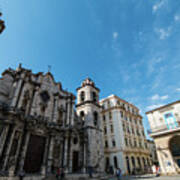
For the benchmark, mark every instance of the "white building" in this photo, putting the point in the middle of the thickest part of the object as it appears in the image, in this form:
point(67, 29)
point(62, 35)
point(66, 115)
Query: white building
point(124, 139)
point(165, 130)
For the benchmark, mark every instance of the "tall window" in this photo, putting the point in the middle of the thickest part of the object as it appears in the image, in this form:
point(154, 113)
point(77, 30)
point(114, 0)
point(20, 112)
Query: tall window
point(121, 114)
point(114, 143)
point(115, 162)
point(110, 115)
point(105, 130)
point(94, 96)
point(95, 118)
point(126, 141)
point(112, 129)
point(60, 118)
point(106, 144)
point(82, 96)
point(104, 118)
point(82, 115)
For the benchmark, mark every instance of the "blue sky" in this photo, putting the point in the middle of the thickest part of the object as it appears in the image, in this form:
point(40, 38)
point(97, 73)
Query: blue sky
point(129, 48)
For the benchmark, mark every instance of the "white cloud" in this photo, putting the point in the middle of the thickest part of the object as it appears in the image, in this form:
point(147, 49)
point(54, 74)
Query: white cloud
point(177, 18)
point(115, 35)
point(178, 89)
point(155, 97)
point(163, 34)
point(152, 64)
point(154, 106)
point(164, 97)
point(158, 5)
point(158, 97)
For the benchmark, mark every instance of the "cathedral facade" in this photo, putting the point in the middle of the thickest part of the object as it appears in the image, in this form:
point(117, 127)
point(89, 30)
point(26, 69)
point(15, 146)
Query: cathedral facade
point(42, 129)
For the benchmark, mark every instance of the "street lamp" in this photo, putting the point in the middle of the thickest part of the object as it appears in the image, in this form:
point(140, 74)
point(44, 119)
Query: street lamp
point(2, 25)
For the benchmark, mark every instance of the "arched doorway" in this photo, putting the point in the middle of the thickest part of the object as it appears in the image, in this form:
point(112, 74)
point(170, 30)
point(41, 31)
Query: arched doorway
point(128, 165)
point(174, 146)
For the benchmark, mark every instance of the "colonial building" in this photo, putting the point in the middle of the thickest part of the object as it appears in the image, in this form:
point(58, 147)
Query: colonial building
point(124, 139)
point(40, 129)
point(153, 153)
point(165, 130)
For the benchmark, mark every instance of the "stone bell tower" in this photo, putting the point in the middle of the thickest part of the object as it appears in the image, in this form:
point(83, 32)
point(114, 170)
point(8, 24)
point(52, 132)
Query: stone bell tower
point(88, 109)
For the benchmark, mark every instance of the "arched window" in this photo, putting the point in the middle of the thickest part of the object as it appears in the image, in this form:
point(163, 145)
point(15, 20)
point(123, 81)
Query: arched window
point(95, 118)
point(139, 162)
point(94, 97)
point(133, 161)
point(115, 162)
point(107, 163)
point(82, 96)
point(82, 115)
point(60, 118)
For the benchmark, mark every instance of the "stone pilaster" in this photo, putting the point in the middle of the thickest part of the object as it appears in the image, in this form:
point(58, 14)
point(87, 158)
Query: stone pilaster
point(3, 138)
point(50, 155)
point(70, 154)
point(24, 150)
point(43, 168)
point(68, 113)
point(65, 152)
point(17, 92)
point(8, 148)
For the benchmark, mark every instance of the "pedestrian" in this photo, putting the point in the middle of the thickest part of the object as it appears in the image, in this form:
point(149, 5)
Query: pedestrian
point(21, 174)
point(62, 174)
point(157, 171)
point(58, 174)
point(118, 173)
point(90, 172)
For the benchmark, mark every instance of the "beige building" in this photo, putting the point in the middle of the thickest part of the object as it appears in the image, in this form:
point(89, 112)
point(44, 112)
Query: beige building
point(124, 139)
point(165, 130)
point(153, 153)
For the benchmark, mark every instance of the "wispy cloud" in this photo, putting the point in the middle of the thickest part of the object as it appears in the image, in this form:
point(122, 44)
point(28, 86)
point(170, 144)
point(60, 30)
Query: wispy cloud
point(154, 106)
point(152, 63)
point(163, 33)
point(178, 89)
point(115, 35)
point(158, 97)
point(177, 18)
point(158, 5)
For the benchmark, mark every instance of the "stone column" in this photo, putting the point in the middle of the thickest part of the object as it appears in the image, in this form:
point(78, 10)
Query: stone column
point(15, 98)
point(70, 154)
point(72, 114)
point(8, 148)
point(43, 168)
point(55, 110)
point(24, 150)
point(50, 155)
point(65, 151)
point(61, 153)
point(68, 113)
point(3, 138)
point(85, 159)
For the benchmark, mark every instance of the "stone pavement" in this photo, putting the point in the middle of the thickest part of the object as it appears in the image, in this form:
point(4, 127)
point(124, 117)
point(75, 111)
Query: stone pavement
point(147, 177)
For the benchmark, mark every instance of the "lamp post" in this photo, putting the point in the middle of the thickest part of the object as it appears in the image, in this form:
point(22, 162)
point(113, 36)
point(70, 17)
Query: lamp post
point(2, 25)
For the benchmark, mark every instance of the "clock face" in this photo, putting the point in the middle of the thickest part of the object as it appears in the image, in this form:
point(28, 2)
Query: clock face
point(45, 96)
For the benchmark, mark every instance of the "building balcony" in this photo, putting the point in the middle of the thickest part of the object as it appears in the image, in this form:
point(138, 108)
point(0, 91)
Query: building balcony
point(163, 129)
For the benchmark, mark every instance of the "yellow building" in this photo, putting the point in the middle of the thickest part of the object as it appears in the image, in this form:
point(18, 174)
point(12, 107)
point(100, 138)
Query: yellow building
point(165, 130)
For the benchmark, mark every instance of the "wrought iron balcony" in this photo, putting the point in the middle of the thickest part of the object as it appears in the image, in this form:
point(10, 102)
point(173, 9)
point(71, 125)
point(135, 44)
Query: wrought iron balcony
point(165, 128)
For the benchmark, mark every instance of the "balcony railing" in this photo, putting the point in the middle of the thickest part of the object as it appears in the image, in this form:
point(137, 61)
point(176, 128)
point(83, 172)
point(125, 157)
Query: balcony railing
point(165, 127)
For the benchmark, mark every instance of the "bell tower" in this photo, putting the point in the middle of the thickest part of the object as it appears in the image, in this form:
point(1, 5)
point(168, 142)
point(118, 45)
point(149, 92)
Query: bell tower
point(88, 109)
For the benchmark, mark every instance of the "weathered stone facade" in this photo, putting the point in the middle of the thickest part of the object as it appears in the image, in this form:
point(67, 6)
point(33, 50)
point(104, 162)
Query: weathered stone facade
point(40, 129)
